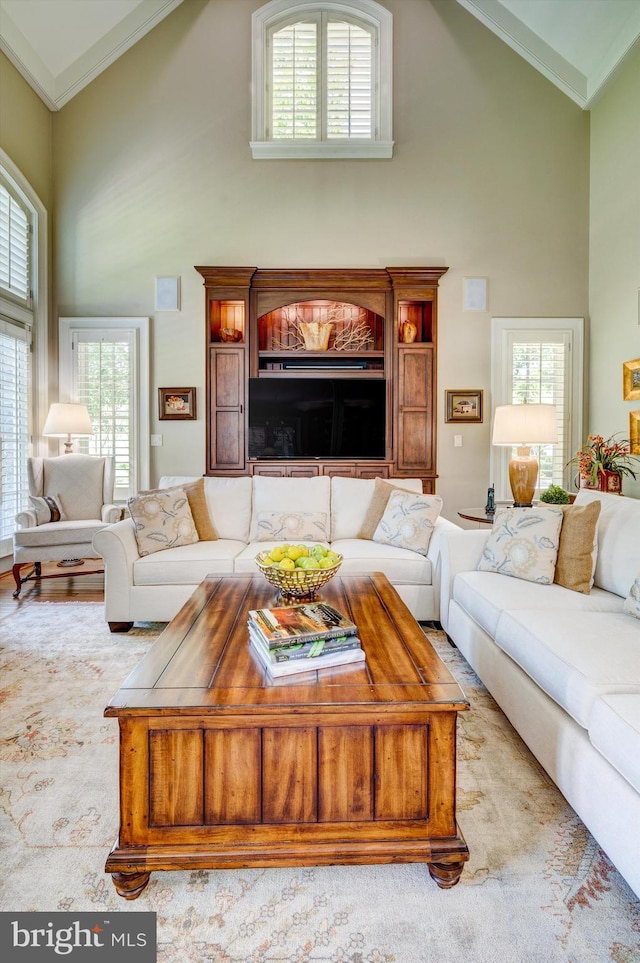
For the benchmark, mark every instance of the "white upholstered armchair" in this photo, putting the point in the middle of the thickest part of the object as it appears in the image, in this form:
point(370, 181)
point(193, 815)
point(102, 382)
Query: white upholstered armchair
point(71, 498)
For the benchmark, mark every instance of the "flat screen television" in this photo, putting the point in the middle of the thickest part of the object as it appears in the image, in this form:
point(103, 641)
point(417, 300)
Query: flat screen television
point(317, 418)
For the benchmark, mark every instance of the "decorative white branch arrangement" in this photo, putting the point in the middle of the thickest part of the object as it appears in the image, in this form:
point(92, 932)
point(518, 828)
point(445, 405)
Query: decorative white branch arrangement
point(339, 329)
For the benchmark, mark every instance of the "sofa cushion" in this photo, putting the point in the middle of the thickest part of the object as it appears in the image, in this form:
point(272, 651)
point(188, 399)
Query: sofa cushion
point(485, 595)
point(578, 548)
point(162, 520)
point(228, 501)
point(351, 499)
point(187, 564)
point(523, 543)
point(570, 655)
point(293, 526)
point(408, 521)
point(289, 495)
point(618, 538)
point(398, 564)
point(58, 533)
point(632, 601)
point(614, 730)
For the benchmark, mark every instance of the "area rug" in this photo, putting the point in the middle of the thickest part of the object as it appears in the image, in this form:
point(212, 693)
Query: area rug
point(537, 888)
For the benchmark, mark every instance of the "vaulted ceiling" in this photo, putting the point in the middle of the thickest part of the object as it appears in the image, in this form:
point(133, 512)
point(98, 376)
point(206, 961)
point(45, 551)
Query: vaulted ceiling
point(60, 46)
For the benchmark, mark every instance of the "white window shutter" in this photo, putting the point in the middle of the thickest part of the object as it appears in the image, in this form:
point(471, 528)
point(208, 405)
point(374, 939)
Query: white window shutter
point(15, 247)
point(14, 426)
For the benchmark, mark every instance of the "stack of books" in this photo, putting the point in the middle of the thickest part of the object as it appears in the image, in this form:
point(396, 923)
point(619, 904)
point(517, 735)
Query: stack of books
point(312, 635)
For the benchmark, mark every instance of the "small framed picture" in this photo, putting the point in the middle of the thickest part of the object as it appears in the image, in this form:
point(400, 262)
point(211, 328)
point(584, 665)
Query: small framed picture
point(463, 406)
point(634, 432)
point(177, 404)
point(631, 380)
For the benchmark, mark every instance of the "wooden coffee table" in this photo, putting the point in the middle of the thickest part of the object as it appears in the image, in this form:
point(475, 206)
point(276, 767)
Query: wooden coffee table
point(221, 767)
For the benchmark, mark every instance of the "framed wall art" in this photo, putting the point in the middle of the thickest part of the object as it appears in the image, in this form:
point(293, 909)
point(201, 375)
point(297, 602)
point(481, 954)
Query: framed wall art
point(463, 406)
point(634, 432)
point(177, 404)
point(631, 380)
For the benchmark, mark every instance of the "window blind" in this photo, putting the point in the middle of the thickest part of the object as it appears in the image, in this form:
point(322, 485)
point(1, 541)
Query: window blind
point(14, 426)
point(104, 380)
point(349, 81)
point(15, 245)
point(540, 374)
point(294, 70)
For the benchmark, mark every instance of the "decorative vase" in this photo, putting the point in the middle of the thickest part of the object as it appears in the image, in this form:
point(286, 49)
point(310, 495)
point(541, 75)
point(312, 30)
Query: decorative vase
point(608, 481)
point(316, 334)
point(408, 332)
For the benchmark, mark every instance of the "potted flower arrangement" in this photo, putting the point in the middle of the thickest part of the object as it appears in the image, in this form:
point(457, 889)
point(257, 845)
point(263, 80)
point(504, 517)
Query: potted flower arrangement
point(602, 463)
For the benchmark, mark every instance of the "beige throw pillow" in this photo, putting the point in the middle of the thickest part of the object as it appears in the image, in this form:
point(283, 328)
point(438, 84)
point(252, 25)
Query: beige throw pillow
point(162, 520)
point(381, 492)
point(408, 521)
point(576, 560)
point(632, 601)
point(292, 526)
point(198, 504)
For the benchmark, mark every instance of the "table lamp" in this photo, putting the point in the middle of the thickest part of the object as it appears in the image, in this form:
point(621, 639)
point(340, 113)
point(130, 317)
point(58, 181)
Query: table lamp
point(65, 420)
point(522, 426)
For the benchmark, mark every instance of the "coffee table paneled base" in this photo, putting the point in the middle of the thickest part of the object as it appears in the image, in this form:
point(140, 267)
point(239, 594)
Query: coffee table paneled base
point(353, 765)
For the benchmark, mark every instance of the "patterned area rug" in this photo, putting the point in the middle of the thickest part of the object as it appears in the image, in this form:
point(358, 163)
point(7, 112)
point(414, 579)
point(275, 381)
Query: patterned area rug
point(537, 888)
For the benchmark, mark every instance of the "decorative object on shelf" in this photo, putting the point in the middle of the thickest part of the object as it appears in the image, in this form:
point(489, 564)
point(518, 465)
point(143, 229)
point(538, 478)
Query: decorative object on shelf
point(522, 426)
point(408, 332)
point(67, 420)
point(177, 404)
point(634, 432)
point(463, 406)
point(631, 380)
point(230, 334)
point(602, 463)
point(490, 507)
point(342, 327)
point(555, 495)
point(297, 583)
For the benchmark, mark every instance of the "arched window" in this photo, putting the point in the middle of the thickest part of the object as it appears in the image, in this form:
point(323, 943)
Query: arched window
point(322, 80)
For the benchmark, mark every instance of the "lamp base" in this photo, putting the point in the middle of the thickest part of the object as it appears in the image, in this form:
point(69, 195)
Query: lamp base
point(523, 474)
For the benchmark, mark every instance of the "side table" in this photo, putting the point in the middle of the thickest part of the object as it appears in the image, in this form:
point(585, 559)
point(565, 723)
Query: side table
point(476, 515)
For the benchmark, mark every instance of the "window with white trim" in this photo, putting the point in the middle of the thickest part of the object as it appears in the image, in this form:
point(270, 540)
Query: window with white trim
point(105, 362)
point(539, 361)
point(322, 77)
point(18, 219)
point(15, 342)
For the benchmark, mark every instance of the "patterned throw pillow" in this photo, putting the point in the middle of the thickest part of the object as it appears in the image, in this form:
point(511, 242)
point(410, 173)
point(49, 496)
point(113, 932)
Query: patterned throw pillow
point(292, 526)
point(197, 503)
point(47, 509)
point(632, 601)
point(524, 543)
point(162, 520)
point(408, 521)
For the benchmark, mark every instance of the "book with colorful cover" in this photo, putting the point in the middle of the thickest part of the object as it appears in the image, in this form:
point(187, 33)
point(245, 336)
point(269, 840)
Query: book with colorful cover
point(301, 623)
point(303, 650)
point(293, 666)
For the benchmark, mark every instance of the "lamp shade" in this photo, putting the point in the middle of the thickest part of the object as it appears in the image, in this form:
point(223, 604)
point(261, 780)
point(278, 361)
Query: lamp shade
point(65, 420)
point(525, 425)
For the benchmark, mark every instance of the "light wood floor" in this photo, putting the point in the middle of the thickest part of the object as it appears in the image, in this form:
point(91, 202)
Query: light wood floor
point(71, 588)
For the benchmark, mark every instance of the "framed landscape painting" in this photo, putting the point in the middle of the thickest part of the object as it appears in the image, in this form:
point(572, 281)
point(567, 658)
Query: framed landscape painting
point(631, 380)
point(463, 406)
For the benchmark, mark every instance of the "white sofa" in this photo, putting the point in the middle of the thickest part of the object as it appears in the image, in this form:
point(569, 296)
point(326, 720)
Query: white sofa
point(154, 587)
point(565, 669)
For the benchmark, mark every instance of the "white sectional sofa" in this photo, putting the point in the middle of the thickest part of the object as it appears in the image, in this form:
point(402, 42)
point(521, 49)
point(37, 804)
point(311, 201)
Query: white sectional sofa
point(565, 669)
point(155, 586)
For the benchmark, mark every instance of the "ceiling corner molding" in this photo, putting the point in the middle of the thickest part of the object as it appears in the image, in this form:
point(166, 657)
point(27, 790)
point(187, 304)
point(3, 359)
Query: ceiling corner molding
point(110, 47)
point(611, 63)
point(57, 91)
point(530, 47)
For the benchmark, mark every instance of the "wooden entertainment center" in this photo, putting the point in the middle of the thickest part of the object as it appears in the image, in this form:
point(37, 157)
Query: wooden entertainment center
point(320, 323)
